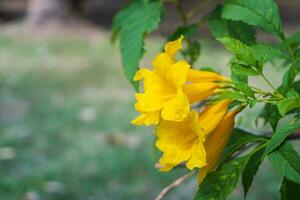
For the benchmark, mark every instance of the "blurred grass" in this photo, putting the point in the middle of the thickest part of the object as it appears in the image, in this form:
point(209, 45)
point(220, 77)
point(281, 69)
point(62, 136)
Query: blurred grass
point(65, 108)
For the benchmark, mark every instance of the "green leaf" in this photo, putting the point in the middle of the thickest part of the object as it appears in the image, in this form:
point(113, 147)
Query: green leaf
point(134, 22)
point(241, 51)
point(232, 95)
point(237, 140)
point(261, 13)
point(279, 136)
point(267, 52)
point(289, 77)
point(193, 51)
point(244, 88)
point(288, 104)
point(270, 114)
point(243, 70)
point(186, 31)
point(219, 184)
point(287, 162)
point(227, 28)
point(251, 169)
point(289, 190)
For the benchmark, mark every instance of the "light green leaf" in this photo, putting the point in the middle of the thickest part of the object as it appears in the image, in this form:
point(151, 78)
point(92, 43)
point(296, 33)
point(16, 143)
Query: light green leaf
point(232, 95)
point(261, 13)
point(251, 169)
point(287, 162)
point(241, 51)
point(289, 190)
point(219, 184)
point(134, 22)
point(227, 28)
point(279, 136)
point(288, 104)
point(244, 88)
point(237, 140)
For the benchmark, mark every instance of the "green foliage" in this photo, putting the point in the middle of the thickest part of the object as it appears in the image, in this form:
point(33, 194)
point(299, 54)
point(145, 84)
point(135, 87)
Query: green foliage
point(261, 13)
point(242, 52)
point(219, 184)
point(280, 135)
point(234, 24)
point(251, 169)
point(286, 161)
point(227, 28)
point(238, 139)
point(289, 190)
point(134, 22)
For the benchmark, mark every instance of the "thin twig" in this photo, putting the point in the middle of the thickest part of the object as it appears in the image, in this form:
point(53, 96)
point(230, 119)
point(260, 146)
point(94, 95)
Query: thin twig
point(174, 184)
point(294, 136)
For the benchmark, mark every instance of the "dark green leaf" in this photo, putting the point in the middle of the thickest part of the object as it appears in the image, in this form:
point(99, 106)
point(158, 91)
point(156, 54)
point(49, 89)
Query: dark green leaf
point(134, 22)
point(238, 139)
point(289, 78)
point(219, 184)
point(267, 52)
point(227, 28)
point(192, 52)
point(279, 136)
point(251, 169)
point(186, 31)
point(261, 13)
point(286, 161)
point(242, 52)
point(289, 190)
point(270, 114)
point(243, 70)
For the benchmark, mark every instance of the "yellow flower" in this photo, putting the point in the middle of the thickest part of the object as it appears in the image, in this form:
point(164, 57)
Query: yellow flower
point(163, 88)
point(184, 141)
point(216, 142)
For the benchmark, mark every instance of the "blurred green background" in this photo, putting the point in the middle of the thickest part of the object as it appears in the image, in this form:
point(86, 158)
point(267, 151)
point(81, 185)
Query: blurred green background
point(65, 111)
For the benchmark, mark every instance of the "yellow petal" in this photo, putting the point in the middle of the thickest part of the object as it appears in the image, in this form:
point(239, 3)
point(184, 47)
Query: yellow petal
point(141, 74)
point(196, 76)
point(217, 140)
point(198, 156)
point(211, 116)
point(147, 119)
point(172, 47)
point(178, 72)
point(177, 108)
point(161, 63)
point(147, 102)
point(166, 167)
point(199, 91)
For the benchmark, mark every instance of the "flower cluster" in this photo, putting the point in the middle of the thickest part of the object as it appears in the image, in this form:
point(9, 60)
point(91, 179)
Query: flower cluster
point(195, 137)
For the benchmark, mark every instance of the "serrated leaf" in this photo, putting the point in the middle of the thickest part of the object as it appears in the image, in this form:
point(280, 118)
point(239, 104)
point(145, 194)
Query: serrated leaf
point(219, 184)
point(261, 13)
point(267, 52)
point(241, 51)
point(251, 169)
point(244, 88)
point(243, 70)
point(286, 161)
point(270, 114)
point(227, 28)
point(288, 104)
point(237, 140)
point(134, 22)
point(289, 190)
point(279, 136)
point(289, 77)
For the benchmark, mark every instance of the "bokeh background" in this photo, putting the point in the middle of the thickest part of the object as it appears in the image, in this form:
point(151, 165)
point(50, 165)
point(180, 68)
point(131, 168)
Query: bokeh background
point(65, 106)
